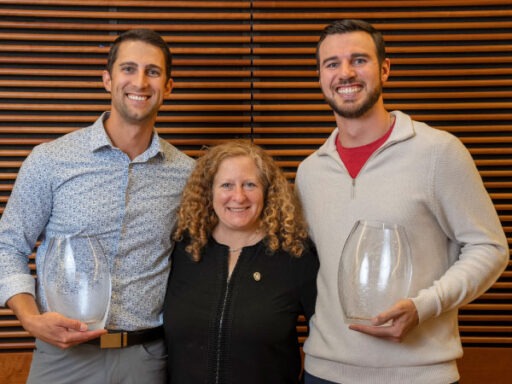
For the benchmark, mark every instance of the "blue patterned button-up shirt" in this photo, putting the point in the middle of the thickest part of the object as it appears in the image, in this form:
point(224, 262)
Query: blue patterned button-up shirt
point(81, 184)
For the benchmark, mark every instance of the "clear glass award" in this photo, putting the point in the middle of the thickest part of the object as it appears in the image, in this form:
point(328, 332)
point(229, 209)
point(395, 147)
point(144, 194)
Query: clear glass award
point(76, 279)
point(375, 270)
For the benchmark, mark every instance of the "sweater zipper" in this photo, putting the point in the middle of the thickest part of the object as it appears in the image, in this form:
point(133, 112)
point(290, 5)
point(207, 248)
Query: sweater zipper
point(219, 336)
point(220, 332)
point(353, 190)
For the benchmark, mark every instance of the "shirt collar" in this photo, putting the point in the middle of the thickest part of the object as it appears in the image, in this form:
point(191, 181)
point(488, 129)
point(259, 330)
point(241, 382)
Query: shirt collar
point(99, 139)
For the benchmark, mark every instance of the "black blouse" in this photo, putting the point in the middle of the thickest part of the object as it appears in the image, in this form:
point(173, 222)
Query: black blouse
point(242, 330)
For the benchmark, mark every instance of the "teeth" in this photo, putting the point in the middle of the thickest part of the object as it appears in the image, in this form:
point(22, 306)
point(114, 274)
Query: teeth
point(137, 98)
point(347, 91)
point(237, 209)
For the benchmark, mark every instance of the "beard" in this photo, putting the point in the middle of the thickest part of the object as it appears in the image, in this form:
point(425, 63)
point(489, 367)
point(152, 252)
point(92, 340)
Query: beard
point(350, 113)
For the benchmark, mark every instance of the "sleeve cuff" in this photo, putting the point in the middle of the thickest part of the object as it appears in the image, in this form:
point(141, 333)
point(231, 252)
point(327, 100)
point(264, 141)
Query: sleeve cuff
point(427, 305)
point(14, 285)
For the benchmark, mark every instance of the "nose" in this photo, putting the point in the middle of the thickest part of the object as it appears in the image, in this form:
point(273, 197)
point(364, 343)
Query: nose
point(140, 79)
point(346, 70)
point(239, 193)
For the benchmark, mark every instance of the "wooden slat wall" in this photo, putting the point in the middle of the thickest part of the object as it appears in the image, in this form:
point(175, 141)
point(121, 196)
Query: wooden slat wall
point(451, 66)
point(52, 54)
point(247, 69)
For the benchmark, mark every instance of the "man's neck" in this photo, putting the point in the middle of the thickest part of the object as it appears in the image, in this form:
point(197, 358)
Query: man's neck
point(132, 139)
point(363, 130)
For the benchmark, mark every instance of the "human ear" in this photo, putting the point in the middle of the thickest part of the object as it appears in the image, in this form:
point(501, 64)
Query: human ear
point(107, 81)
point(385, 69)
point(168, 87)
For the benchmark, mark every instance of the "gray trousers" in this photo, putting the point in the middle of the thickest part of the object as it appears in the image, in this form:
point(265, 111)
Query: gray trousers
point(88, 364)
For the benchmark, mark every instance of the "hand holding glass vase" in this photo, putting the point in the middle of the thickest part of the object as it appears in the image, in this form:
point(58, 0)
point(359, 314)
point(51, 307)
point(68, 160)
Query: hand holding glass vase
point(76, 279)
point(375, 270)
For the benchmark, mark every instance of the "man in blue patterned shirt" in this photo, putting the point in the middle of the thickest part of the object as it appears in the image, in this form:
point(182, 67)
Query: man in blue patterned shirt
point(119, 182)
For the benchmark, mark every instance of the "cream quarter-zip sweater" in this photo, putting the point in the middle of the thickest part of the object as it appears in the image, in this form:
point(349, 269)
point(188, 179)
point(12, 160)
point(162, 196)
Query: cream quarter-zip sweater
point(425, 180)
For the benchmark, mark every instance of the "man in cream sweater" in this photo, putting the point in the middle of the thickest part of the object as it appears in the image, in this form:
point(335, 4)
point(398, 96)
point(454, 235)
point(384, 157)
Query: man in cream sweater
point(381, 165)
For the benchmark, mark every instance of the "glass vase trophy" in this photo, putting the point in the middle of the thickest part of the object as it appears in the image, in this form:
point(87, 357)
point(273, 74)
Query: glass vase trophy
point(76, 279)
point(375, 270)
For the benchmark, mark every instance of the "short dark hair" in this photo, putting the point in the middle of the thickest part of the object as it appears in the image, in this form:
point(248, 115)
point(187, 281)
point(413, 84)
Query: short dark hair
point(147, 36)
point(353, 25)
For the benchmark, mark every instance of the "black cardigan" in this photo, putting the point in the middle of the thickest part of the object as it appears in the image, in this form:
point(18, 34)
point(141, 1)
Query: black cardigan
point(241, 332)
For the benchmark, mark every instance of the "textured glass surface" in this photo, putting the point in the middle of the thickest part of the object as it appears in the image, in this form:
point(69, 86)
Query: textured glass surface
point(375, 270)
point(76, 279)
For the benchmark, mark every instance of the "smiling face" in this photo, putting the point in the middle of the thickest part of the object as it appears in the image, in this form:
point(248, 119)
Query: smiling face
point(137, 83)
point(238, 195)
point(351, 77)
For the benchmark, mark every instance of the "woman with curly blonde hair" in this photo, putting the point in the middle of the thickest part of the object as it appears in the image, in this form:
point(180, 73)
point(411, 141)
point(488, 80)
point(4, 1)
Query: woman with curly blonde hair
point(242, 271)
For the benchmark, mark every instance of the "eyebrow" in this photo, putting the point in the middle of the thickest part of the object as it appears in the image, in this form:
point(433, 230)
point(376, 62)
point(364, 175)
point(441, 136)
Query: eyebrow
point(127, 63)
point(352, 56)
point(150, 66)
point(329, 59)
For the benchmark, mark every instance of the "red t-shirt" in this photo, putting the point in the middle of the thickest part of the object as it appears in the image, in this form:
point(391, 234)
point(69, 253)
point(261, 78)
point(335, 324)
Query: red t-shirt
point(355, 158)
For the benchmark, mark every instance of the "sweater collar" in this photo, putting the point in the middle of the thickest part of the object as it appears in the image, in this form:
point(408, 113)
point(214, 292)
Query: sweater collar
point(403, 130)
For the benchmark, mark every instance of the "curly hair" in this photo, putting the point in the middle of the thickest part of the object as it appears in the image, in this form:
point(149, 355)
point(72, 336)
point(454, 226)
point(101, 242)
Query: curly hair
point(282, 220)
